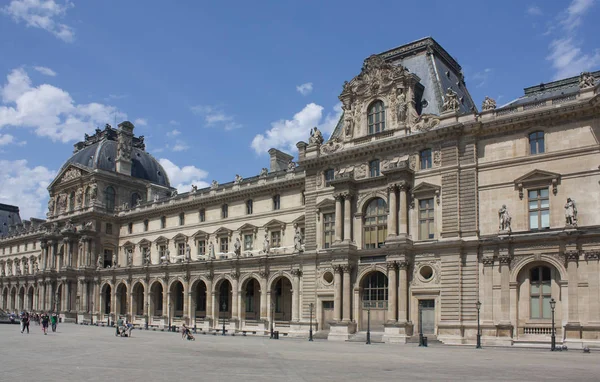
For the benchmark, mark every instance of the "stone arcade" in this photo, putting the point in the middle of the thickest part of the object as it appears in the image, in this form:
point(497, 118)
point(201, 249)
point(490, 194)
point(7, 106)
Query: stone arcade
point(415, 208)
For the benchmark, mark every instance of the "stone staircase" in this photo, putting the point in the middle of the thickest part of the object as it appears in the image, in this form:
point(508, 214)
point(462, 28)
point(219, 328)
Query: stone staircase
point(376, 337)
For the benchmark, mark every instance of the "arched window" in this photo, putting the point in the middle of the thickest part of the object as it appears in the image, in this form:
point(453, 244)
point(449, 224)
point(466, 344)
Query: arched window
point(540, 292)
point(375, 291)
point(110, 196)
point(536, 142)
point(376, 117)
point(135, 197)
point(72, 201)
point(374, 168)
point(224, 211)
point(375, 224)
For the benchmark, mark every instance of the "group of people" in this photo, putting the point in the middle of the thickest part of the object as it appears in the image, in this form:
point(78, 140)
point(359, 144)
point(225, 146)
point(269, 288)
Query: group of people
point(44, 319)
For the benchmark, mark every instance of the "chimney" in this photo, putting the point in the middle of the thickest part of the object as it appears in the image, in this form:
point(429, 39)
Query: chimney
point(279, 160)
point(124, 145)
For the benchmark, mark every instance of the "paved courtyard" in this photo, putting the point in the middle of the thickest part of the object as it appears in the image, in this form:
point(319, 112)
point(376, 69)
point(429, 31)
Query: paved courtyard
point(80, 353)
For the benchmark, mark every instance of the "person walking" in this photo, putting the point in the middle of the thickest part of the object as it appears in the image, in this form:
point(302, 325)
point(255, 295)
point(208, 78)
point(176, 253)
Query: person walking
point(26, 322)
point(45, 319)
point(53, 321)
point(22, 319)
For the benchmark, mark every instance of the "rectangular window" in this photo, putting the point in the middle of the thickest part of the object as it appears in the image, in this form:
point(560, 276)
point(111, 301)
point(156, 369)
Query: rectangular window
point(162, 251)
point(539, 209)
point(144, 253)
point(224, 241)
point(163, 222)
point(107, 258)
point(276, 202)
point(328, 229)
point(374, 168)
point(329, 175)
point(182, 218)
point(25, 247)
point(425, 159)
point(224, 211)
point(201, 247)
point(108, 229)
point(130, 228)
point(181, 249)
point(275, 239)
point(34, 245)
point(146, 225)
point(426, 227)
point(248, 242)
point(202, 214)
point(536, 142)
point(249, 207)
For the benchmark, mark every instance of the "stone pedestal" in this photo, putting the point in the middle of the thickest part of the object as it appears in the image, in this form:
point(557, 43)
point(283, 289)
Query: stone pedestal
point(301, 329)
point(258, 326)
point(341, 331)
point(397, 333)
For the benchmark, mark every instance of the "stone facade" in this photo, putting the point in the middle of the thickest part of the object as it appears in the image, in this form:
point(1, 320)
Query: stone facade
point(416, 208)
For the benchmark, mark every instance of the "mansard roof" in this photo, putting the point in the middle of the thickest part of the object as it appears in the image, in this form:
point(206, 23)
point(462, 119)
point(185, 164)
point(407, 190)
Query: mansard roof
point(9, 215)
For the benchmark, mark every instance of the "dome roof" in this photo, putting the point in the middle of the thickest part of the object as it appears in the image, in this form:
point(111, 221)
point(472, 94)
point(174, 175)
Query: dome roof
point(100, 152)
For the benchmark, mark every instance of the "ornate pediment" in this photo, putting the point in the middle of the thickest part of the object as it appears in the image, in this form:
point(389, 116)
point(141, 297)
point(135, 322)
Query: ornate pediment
point(376, 77)
point(144, 243)
point(537, 178)
point(68, 174)
point(223, 232)
point(180, 237)
point(326, 203)
point(425, 189)
point(275, 224)
point(248, 227)
point(161, 240)
point(200, 235)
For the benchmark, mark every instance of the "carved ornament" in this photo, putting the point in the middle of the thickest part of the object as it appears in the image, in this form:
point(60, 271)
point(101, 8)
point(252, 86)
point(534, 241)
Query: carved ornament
point(70, 174)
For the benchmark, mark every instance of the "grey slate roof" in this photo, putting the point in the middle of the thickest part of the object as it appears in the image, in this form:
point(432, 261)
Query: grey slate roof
point(561, 88)
point(9, 215)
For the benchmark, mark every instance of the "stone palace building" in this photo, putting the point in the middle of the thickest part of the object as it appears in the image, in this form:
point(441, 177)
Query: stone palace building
point(418, 206)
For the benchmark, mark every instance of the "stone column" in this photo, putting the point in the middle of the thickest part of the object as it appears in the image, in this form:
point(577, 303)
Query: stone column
point(592, 258)
point(338, 218)
point(270, 317)
point(392, 292)
point(53, 262)
point(347, 217)
point(64, 295)
point(403, 291)
point(166, 312)
point(214, 308)
point(44, 264)
point(505, 288)
point(70, 246)
point(191, 313)
point(393, 210)
point(337, 295)
point(296, 294)
point(347, 302)
point(572, 263)
point(209, 299)
point(264, 301)
point(35, 298)
point(403, 211)
point(487, 315)
point(234, 296)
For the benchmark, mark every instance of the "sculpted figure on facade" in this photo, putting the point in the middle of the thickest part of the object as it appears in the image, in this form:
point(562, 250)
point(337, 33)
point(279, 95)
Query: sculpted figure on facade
point(194, 188)
point(237, 247)
point(238, 179)
point(148, 259)
point(266, 243)
point(71, 173)
point(188, 252)
point(69, 226)
point(94, 191)
point(214, 185)
point(348, 122)
point(211, 250)
point(79, 197)
point(51, 205)
point(99, 262)
point(571, 213)
point(586, 80)
point(315, 136)
point(291, 166)
point(504, 219)
point(89, 225)
point(114, 261)
point(451, 101)
point(401, 106)
point(297, 238)
point(264, 172)
point(129, 257)
point(488, 104)
point(62, 203)
point(425, 122)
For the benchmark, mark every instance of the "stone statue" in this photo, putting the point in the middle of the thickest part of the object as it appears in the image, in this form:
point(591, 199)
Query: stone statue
point(266, 244)
point(194, 188)
point(138, 202)
point(571, 213)
point(36, 267)
point(315, 136)
point(211, 250)
point(51, 205)
point(69, 226)
point(100, 263)
point(488, 104)
point(79, 197)
point(148, 259)
point(348, 122)
point(504, 218)
point(114, 260)
point(129, 257)
point(94, 192)
point(62, 203)
point(125, 205)
point(237, 247)
point(188, 252)
point(451, 101)
point(238, 179)
point(173, 193)
point(156, 197)
point(214, 185)
point(401, 106)
point(586, 80)
point(264, 172)
point(297, 238)
point(291, 166)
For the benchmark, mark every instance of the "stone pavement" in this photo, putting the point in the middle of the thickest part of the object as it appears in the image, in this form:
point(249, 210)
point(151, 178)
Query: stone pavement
point(81, 353)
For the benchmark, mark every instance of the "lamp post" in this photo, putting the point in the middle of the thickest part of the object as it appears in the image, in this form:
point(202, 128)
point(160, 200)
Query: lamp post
point(272, 317)
point(369, 323)
point(478, 305)
point(421, 324)
point(169, 313)
point(194, 313)
point(224, 306)
point(553, 338)
point(310, 332)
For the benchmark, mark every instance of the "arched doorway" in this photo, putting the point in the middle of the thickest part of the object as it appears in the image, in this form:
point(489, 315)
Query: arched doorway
point(374, 296)
point(538, 283)
point(138, 299)
point(156, 299)
point(200, 299)
point(176, 299)
point(21, 299)
point(281, 299)
point(224, 299)
point(121, 307)
point(30, 299)
point(106, 295)
point(251, 300)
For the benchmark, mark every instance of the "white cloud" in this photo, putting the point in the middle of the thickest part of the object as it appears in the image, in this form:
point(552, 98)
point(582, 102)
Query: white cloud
point(305, 89)
point(25, 187)
point(49, 110)
point(6, 139)
point(482, 77)
point(182, 178)
point(140, 122)
point(566, 55)
point(180, 146)
point(173, 123)
point(284, 134)
point(173, 133)
point(46, 71)
point(534, 10)
point(214, 116)
point(42, 14)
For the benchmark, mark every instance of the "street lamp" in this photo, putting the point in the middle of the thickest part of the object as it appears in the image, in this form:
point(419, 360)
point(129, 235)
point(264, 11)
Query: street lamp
point(272, 317)
point(170, 311)
point(553, 343)
point(146, 315)
point(92, 314)
point(478, 305)
point(310, 332)
point(224, 306)
point(369, 323)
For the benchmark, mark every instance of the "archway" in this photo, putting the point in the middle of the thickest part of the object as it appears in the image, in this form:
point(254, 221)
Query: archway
point(30, 299)
point(538, 283)
point(224, 299)
point(200, 299)
point(138, 299)
point(21, 299)
point(251, 299)
point(121, 307)
point(281, 299)
point(106, 295)
point(176, 303)
point(156, 299)
point(374, 296)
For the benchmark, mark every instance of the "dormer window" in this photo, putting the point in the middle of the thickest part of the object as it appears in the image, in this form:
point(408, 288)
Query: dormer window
point(374, 168)
point(536, 143)
point(376, 117)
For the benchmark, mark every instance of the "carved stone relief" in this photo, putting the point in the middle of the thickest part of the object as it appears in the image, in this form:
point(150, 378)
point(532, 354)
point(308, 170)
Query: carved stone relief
point(426, 272)
point(71, 174)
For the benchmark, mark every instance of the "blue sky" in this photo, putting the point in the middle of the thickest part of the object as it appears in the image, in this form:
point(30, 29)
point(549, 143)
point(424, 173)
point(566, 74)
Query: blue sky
point(213, 85)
